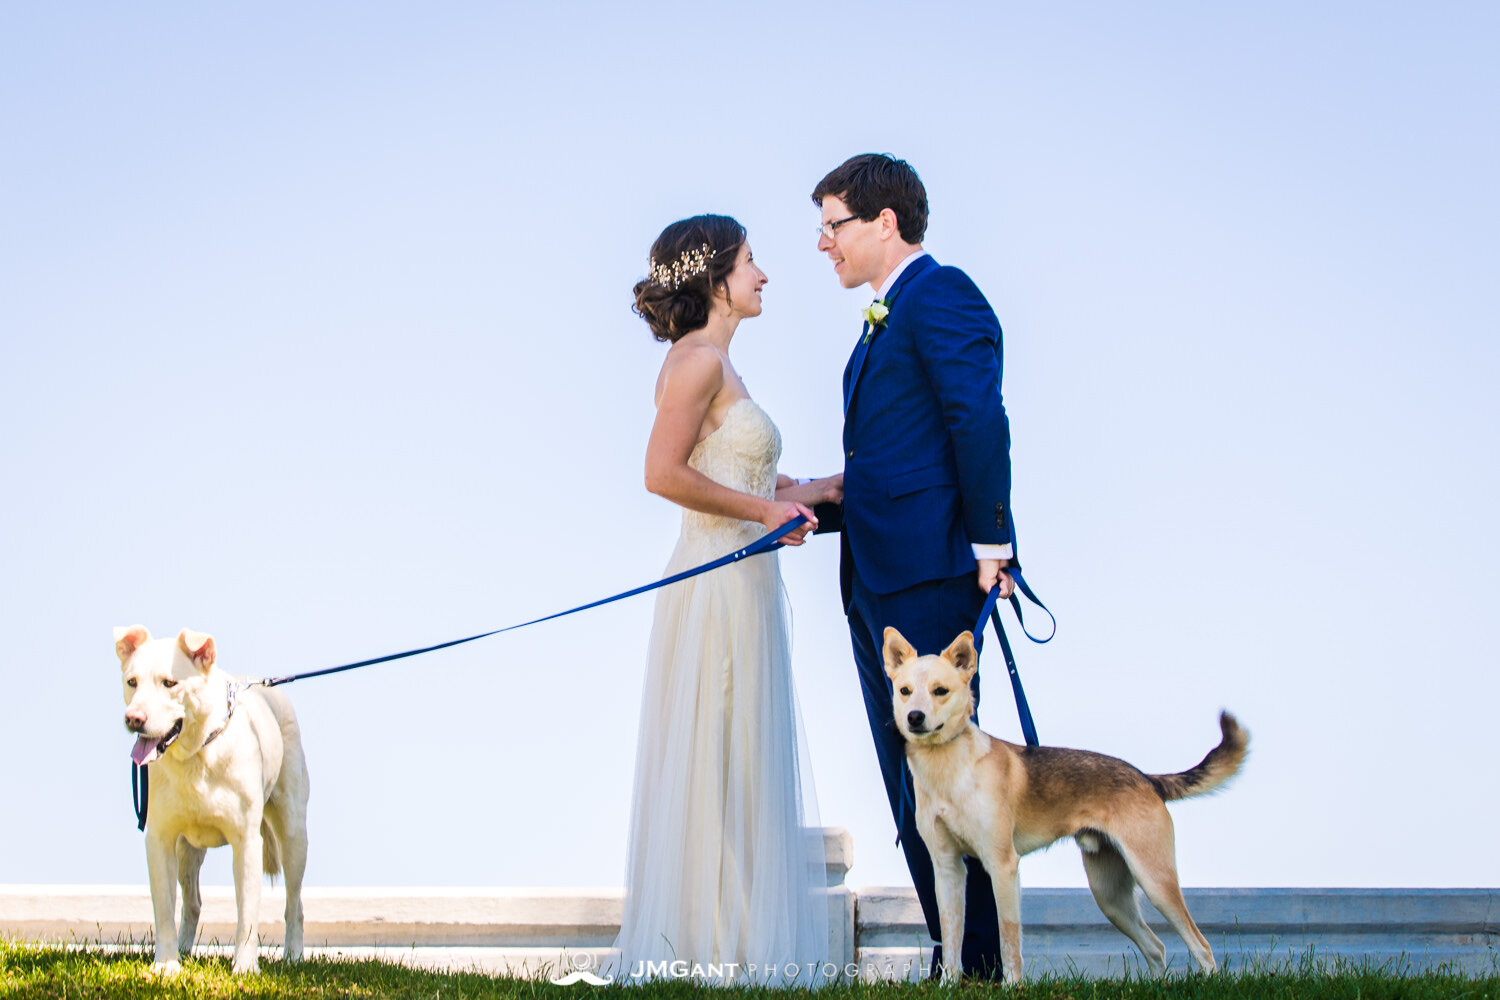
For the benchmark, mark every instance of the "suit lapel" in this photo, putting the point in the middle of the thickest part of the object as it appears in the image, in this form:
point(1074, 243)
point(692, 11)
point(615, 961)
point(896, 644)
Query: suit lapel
point(867, 337)
point(856, 362)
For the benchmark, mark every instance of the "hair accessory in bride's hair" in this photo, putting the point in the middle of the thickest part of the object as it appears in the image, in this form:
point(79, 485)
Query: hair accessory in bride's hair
point(691, 264)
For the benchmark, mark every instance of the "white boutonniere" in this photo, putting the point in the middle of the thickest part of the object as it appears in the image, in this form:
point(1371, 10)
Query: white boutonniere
point(875, 314)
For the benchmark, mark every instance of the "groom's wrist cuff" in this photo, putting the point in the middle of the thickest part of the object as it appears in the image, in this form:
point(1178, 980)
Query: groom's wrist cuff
point(992, 551)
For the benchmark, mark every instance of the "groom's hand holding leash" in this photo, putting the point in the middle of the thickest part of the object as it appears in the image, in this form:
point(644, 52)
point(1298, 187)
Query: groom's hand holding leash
point(990, 574)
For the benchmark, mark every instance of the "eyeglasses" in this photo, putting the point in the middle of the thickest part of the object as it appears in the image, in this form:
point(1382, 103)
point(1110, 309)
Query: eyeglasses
point(831, 229)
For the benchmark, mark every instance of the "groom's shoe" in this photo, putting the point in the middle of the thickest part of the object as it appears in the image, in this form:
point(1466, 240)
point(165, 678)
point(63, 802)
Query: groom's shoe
point(984, 966)
point(975, 966)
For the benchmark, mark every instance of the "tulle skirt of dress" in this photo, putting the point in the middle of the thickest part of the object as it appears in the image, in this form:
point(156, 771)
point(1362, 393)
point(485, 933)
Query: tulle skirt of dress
point(725, 870)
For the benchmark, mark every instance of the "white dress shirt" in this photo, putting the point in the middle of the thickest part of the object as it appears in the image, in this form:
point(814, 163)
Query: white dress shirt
point(890, 279)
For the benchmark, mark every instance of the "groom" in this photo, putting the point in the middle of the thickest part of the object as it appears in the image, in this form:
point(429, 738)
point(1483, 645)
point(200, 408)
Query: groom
point(926, 518)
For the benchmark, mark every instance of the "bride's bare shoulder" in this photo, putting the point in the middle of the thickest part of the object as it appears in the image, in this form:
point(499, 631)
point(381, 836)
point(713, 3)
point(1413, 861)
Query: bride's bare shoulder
point(691, 369)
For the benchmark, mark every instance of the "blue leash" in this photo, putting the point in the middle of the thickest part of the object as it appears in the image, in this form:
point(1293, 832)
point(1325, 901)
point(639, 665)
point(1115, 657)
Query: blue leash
point(991, 612)
point(763, 544)
point(140, 782)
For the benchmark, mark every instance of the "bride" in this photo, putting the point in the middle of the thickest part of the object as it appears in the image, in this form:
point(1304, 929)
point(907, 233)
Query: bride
point(725, 870)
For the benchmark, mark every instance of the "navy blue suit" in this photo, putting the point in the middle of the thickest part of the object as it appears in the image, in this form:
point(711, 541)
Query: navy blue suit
point(926, 473)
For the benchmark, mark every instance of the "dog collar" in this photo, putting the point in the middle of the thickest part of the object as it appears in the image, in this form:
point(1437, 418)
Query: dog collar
point(234, 690)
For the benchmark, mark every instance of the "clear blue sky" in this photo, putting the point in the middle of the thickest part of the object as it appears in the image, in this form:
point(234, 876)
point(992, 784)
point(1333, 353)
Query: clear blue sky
point(316, 338)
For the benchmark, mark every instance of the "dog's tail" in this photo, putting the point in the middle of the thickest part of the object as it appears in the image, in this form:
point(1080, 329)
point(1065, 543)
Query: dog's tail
point(270, 850)
point(1221, 764)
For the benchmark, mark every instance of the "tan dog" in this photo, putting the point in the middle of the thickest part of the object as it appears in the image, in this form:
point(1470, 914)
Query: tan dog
point(226, 768)
point(995, 801)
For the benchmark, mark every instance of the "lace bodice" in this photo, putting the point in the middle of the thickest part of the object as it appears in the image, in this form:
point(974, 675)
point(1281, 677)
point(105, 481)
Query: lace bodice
point(741, 454)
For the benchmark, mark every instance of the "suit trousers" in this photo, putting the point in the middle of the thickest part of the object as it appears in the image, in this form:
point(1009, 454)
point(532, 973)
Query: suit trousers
point(930, 615)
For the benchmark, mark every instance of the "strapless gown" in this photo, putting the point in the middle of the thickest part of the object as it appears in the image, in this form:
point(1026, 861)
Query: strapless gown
point(725, 862)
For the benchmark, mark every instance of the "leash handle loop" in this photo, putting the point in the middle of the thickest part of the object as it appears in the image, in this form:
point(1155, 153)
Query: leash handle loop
point(1015, 602)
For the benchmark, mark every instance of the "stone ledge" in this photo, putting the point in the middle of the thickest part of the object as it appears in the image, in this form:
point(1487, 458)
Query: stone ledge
point(1064, 931)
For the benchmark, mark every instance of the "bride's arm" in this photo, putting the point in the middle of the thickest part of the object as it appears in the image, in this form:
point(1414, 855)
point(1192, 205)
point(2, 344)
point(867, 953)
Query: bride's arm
point(689, 386)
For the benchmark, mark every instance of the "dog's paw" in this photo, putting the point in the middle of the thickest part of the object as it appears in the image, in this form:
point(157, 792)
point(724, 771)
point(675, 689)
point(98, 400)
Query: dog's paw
point(169, 968)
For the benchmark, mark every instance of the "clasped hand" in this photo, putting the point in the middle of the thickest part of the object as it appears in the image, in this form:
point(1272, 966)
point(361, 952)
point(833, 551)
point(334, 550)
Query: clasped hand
point(799, 498)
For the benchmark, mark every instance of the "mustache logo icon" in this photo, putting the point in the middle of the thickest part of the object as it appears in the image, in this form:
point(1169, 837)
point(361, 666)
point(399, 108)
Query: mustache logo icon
point(583, 966)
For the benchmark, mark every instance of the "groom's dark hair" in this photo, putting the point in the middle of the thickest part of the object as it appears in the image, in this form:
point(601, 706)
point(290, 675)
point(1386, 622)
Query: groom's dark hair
point(871, 182)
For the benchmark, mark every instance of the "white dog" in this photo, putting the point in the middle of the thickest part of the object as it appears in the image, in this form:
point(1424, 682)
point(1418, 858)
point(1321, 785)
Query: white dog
point(226, 768)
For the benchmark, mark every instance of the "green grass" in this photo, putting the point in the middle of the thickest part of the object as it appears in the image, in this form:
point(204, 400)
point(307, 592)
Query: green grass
point(28, 971)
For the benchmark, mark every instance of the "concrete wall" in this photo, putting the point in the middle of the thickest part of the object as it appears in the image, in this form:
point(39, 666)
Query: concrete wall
point(875, 932)
point(1063, 929)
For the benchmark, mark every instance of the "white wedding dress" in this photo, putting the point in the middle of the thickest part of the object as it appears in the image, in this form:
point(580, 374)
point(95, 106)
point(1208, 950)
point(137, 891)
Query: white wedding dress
point(725, 862)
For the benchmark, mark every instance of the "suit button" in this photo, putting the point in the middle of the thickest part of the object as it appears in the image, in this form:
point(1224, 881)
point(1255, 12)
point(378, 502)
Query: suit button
point(850, 454)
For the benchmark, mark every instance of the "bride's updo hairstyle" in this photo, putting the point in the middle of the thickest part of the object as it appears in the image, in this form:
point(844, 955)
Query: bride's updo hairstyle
point(688, 261)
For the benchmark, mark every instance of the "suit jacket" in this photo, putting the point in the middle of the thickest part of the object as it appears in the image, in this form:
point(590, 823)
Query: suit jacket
point(926, 439)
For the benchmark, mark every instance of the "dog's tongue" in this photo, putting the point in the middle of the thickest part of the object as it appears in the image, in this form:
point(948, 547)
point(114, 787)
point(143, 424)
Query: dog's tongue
point(144, 751)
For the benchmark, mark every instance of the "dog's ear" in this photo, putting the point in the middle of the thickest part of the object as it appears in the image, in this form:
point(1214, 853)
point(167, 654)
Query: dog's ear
point(897, 651)
point(199, 647)
point(128, 639)
point(961, 653)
